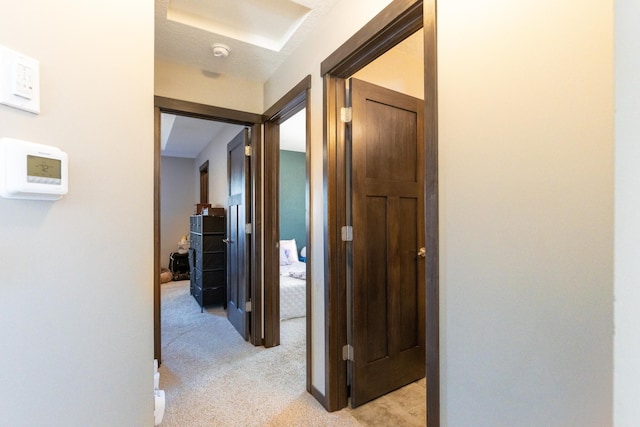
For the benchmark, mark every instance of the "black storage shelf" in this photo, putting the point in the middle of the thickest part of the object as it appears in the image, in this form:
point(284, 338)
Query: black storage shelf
point(207, 260)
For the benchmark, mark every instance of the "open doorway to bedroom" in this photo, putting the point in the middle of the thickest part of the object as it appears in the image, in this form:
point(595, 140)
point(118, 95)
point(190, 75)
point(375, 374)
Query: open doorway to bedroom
point(293, 217)
point(293, 222)
point(224, 124)
point(238, 362)
point(193, 190)
point(287, 240)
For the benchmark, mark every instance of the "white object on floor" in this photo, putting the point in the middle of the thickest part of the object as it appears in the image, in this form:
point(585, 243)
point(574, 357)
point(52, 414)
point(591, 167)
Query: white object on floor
point(158, 412)
point(158, 408)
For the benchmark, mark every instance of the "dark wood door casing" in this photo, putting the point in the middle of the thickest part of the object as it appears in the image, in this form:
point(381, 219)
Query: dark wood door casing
point(157, 160)
point(204, 182)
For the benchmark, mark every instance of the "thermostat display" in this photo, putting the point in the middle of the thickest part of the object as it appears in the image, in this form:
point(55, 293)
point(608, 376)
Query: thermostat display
point(44, 169)
point(32, 171)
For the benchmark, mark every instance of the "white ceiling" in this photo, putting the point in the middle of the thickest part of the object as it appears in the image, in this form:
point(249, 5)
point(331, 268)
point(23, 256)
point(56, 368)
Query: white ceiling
point(293, 132)
point(260, 35)
point(186, 137)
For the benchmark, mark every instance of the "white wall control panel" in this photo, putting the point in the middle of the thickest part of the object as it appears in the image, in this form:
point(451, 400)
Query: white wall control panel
point(19, 81)
point(32, 171)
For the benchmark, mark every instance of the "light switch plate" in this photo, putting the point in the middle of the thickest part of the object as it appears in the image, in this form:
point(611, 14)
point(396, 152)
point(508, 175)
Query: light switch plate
point(19, 81)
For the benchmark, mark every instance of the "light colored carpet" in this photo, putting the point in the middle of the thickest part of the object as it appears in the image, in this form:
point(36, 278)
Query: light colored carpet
point(212, 377)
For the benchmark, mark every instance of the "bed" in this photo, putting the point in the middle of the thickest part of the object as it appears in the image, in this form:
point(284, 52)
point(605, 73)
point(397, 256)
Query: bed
point(293, 283)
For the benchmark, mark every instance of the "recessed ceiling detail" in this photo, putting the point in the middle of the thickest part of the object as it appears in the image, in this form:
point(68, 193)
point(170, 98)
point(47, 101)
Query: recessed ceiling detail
point(186, 136)
point(264, 23)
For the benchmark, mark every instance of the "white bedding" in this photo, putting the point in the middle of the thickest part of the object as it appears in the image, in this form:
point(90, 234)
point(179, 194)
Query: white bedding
point(293, 300)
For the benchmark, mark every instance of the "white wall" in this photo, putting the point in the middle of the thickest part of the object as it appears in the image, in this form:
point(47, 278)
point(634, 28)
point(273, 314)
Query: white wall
point(526, 180)
point(76, 293)
point(192, 84)
point(627, 236)
point(177, 199)
point(398, 70)
point(216, 154)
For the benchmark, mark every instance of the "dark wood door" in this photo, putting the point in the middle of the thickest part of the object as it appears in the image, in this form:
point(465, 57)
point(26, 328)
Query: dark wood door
point(238, 245)
point(387, 327)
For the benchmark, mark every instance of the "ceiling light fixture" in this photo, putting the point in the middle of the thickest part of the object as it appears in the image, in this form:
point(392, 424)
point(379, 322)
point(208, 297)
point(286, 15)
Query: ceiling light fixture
point(220, 50)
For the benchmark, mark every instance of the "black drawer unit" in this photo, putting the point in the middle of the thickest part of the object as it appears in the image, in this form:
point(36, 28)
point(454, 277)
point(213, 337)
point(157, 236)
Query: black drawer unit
point(207, 260)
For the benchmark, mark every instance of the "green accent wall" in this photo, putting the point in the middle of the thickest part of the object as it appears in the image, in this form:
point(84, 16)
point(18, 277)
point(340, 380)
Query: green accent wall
point(292, 197)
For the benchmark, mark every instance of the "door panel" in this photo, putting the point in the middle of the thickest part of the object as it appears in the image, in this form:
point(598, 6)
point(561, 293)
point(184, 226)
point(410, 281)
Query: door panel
point(238, 245)
point(388, 231)
point(409, 277)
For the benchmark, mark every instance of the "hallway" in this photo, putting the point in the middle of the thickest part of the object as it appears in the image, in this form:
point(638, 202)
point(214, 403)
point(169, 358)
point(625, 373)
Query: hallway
point(212, 377)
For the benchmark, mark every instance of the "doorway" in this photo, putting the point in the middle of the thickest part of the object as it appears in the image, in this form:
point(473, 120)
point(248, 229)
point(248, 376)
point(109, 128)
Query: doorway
point(294, 103)
point(253, 121)
point(394, 24)
point(204, 182)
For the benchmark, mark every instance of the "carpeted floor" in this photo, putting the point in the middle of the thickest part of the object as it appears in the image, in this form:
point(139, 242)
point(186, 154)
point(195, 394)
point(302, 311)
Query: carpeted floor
point(212, 377)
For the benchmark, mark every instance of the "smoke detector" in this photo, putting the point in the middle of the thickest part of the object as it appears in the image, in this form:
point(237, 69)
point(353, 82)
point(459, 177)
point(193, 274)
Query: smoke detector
point(220, 50)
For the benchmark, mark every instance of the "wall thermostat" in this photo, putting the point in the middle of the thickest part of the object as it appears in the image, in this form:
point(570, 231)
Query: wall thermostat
point(32, 171)
point(19, 81)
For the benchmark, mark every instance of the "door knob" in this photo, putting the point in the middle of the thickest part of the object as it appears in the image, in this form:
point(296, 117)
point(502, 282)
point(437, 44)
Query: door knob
point(422, 252)
point(226, 240)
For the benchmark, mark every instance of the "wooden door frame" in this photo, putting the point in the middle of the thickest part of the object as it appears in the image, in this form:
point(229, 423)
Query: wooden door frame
point(291, 103)
point(208, 112)
point(204, 189)
point(393, 24)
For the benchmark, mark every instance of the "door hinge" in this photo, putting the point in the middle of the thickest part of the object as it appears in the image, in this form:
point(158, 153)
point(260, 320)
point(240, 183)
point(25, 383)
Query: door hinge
point(347, 233)
point(248, 228)
point(347, 352)
point(247, 150)
point(247, 307)
point(346, 114)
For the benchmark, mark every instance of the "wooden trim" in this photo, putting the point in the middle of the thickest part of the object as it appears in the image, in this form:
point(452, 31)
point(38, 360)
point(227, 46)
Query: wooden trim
point(432, 306)
point(256, 237)
point(318, 396)
point(204, 182)
point(384, 31)
point(207, 112)
point(289, 104)
point(335, 218)
point(272, 234)
point(309, 209)
point(157, 342)
point(396, 22)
